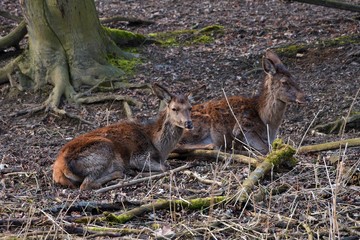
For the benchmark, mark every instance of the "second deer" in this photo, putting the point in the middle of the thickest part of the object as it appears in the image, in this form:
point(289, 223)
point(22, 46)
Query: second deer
point(104, 154)
point(253, 121)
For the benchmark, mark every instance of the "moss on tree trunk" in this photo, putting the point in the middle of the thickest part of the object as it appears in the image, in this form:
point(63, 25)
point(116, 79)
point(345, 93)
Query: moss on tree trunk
point(68, 48)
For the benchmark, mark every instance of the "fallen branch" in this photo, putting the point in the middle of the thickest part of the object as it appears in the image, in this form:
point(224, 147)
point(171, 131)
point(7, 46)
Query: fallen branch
point(353, 142)
point(343, 124)
point(130, 20)
point(192, 204)
point(203, 180)
point(281, 152)
point(333, 4)
point(89, 207)
point(136, 181)
point(215, 154)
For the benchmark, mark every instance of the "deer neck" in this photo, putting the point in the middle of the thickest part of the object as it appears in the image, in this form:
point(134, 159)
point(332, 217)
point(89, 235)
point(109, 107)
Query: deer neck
point(165, 135)
point(271, 111)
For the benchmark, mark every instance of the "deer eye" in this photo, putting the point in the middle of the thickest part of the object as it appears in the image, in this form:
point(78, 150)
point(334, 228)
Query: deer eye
point(175, 109)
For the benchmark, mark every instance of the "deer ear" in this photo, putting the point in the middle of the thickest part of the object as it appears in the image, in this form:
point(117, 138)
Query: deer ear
point(268, 66)
point(195, 92)
point(162, 93)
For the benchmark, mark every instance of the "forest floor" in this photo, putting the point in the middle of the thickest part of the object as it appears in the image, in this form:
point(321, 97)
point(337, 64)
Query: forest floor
point(318, 198)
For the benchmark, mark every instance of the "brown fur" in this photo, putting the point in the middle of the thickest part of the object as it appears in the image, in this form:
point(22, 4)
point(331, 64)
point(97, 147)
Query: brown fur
point(104, 154)
point(259, 117)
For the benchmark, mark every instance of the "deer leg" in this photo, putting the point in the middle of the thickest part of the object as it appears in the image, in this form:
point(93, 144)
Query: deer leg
point(91, 183)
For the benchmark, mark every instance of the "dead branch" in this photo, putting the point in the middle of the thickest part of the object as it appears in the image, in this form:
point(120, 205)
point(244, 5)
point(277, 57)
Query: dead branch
point(90, 207)
point(203, 180)
point(136, 181)
point(333, 4)
point(281, 153)
point(130, 20)
point(343, 124)
point(353, 142)
point(215, 154)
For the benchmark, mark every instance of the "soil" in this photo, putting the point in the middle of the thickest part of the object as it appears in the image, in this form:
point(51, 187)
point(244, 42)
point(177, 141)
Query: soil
point(322, 192)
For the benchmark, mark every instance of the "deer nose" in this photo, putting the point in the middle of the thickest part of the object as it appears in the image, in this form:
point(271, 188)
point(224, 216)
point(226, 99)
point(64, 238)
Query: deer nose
point(189, 125)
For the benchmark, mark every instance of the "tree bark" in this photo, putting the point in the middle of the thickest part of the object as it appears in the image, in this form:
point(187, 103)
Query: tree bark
point(68, 48)
point(332, 4)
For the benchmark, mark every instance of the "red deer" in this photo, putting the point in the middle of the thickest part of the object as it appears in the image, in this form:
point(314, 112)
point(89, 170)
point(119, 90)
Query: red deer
point(253, 121)
point(105, 154)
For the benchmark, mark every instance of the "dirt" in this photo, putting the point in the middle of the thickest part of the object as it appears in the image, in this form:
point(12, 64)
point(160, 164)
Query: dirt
point(320, 193)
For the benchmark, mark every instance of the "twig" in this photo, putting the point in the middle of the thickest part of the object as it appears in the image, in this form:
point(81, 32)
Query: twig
point(202, 180)
point(136, 181)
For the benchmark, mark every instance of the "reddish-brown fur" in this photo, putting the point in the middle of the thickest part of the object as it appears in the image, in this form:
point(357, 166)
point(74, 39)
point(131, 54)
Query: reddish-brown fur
point(104, 154)
point(259, 118)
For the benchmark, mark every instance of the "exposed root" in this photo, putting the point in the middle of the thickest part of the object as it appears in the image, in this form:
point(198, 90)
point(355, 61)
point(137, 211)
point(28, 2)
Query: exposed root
point(14, 37)
point(46, 106)
point(8, 69)
point(7, 15)
point(103, 98)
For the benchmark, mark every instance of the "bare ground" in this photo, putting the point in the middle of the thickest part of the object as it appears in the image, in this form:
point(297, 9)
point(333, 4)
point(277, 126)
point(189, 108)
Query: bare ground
point(318, 198)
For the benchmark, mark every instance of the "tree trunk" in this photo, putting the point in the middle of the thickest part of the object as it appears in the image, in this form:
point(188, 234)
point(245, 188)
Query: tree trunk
point(67, 48)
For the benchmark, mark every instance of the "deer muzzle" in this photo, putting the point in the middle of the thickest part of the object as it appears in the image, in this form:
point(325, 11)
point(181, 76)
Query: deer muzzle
point(189, 125)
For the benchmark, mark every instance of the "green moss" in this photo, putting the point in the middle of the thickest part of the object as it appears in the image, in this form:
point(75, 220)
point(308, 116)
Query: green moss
point(280, 152)
point(203, 39)
point(291, 50)
point(340, 41)
point(127, 65)
point(125, 38)
point(188, 36)
point(122, 218)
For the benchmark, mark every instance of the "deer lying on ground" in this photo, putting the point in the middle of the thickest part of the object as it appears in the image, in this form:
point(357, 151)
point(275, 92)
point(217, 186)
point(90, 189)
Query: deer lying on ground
point(259, 118)
point(104, 154)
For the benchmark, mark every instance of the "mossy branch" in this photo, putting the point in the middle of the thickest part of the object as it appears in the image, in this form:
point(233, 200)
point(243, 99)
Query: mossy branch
point(192, 204)
point(353, 142)
point(215, 154)
point(279, 155)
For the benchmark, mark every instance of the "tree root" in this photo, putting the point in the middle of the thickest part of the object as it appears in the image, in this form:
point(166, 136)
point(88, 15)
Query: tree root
point(14, 37)
point(8, 69)
point(7, 15)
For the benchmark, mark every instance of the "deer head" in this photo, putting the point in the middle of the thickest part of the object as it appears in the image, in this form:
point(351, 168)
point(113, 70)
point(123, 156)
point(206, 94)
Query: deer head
point(178, 107)
point(279, 80)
